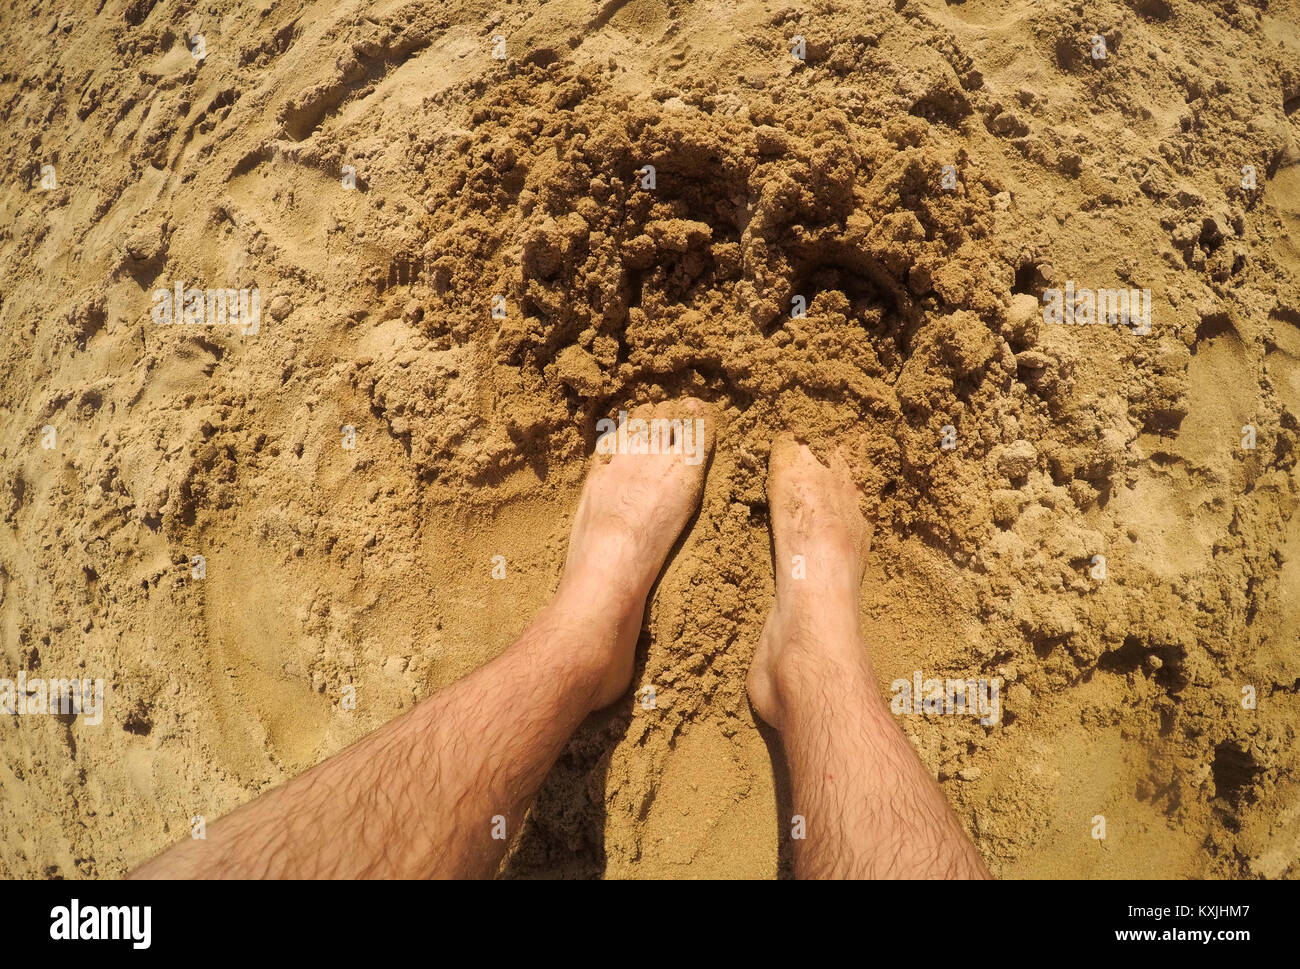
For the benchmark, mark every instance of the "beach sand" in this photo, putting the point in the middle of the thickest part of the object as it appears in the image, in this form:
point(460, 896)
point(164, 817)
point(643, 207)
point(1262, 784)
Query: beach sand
point(1067, 510)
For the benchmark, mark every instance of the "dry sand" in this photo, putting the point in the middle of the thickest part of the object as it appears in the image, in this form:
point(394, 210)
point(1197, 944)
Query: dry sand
point(370, 568)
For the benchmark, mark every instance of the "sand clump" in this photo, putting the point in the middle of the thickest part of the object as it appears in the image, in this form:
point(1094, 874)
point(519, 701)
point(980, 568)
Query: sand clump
point(500, 277)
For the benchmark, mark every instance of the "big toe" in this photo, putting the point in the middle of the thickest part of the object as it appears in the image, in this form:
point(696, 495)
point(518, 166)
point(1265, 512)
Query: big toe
point(791, 468)
point(692, 426)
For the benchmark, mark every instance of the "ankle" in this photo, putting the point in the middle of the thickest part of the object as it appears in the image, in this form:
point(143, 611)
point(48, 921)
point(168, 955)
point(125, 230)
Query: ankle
point(825, 672)
point(594, 638)
point(602, 590)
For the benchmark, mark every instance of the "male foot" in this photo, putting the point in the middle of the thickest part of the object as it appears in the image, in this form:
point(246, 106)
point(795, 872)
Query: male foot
point(633, 508)
point(871, 808)
point(821, 541)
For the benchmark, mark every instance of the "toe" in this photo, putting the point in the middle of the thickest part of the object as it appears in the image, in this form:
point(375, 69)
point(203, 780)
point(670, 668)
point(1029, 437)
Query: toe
point(789, 463)
point(699, 428)
point(643, 414)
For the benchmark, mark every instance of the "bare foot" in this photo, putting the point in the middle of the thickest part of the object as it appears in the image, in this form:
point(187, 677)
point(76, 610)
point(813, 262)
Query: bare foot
point(821, 542)
point(632, 509)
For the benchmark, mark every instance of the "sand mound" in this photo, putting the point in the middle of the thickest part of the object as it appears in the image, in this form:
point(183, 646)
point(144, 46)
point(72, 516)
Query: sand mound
point(467, 260)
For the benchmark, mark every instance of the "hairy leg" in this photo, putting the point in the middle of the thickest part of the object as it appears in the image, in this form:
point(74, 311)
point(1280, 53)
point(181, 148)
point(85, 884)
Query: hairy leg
point(871, 809)
point(421, 796)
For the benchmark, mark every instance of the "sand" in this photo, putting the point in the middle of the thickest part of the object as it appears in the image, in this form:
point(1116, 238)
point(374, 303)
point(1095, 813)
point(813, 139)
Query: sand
point(1000, 456)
